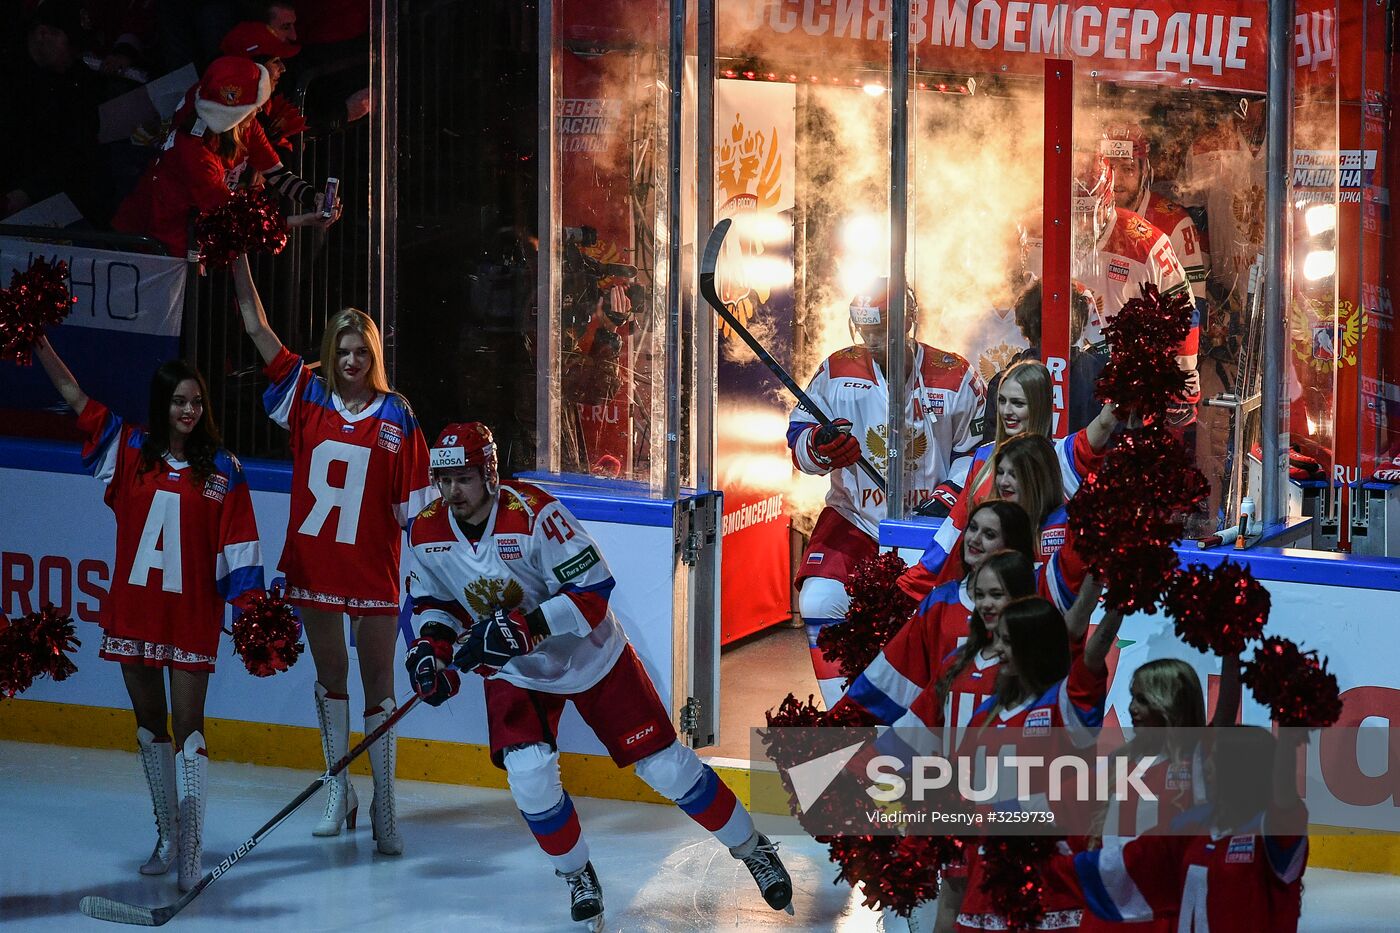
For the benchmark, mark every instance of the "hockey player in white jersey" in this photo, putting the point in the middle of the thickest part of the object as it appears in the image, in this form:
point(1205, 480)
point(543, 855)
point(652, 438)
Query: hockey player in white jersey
point(943, 404)
point(507, 583)
point(1116, 252)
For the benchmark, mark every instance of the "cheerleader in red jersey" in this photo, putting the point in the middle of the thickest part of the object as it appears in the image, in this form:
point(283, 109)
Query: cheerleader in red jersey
point(1227, 864)
point(1167, 708)
point(186, 544)
point(1023, 408)
point(912, 660)
point(1044, 684)
point(359, 475)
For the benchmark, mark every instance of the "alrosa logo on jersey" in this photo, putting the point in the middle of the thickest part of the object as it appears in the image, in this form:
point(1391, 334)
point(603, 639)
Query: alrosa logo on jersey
point(1241, 850)
point(509, 549)
point(390, 437)
point(216, 487)
point(1118, 270)
point(1037, 722)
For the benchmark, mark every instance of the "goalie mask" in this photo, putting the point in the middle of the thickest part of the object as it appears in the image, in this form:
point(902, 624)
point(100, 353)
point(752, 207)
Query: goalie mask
point(464, 444)
point(1125, 146)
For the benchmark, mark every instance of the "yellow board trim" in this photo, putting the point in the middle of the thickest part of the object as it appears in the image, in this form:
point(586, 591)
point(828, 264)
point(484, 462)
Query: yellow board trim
point(299, 747)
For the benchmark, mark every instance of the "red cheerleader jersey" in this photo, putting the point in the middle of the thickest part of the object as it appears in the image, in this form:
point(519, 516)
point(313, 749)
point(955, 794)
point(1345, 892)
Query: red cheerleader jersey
point(183, 548)
point(1248, 881)
point(357, 480)
point(941, 560)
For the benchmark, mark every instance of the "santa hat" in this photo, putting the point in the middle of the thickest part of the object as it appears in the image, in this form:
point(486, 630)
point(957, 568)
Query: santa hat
point(231, 90)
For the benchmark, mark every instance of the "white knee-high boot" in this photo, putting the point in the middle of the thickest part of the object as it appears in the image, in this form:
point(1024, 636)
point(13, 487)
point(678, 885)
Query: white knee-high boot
point(383, 756)
point(158, 762)
point(190, 772)
point(333, 714)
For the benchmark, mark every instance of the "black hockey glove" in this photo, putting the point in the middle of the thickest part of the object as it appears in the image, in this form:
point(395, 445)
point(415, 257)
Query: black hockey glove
point(427, 666)
point(496, 639)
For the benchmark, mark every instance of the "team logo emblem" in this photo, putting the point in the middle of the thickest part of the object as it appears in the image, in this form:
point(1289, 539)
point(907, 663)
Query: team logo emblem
point(1241, 850)
point(216, 487)
point(1037, 723)
point(1052, 539)
point(509, 549)
point(1322, 342)
point(994, 359)
point(1118, 270)
point(875, 442)
point(749, 173)
point(390, 437)
point(229, 93)
point(486, 595)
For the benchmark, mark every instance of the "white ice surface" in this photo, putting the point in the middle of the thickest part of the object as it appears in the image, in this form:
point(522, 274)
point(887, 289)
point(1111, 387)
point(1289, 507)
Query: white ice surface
point(78, 821)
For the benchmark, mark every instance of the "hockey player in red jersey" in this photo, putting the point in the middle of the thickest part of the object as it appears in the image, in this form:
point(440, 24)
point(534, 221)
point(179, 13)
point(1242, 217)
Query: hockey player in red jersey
point(943, 404)
point(187, 543)
point(506, 582)
point(359, 474)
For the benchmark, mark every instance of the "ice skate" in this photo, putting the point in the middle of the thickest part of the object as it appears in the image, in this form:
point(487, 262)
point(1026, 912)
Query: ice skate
point(333, 714)
point(158, 762)
point(191, 768)
point(585, 897)
point(382, 758)
point(760, 857)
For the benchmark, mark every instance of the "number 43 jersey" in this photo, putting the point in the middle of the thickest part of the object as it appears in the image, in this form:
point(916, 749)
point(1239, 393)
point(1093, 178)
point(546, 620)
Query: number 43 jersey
point(533, 554)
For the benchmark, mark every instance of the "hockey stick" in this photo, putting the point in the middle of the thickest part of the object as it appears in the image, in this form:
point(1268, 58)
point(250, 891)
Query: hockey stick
point(707, 291)
point(104, 908)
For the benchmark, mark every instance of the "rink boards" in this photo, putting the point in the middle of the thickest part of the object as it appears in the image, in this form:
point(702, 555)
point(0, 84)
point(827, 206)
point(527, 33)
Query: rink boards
point(56, 545)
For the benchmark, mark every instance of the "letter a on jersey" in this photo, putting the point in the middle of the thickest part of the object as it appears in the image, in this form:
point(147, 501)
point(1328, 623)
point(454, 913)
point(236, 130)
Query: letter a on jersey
point(160, 544)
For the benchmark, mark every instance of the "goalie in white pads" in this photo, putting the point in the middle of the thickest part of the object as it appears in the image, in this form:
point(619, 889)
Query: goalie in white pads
point(507, 583)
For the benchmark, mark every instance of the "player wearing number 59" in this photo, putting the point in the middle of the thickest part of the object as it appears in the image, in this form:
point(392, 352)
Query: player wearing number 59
point(507, 583)
point(359, 473)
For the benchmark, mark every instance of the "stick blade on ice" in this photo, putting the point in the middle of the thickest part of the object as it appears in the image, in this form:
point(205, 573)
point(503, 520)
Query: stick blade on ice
point(104, 908)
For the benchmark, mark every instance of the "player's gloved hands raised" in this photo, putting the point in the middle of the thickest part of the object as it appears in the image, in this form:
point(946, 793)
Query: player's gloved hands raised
point(494, 640)
point(427, 666)
point(832, 445)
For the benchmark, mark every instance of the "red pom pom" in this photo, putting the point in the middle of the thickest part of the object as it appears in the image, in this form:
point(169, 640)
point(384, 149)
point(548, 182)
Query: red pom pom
point(1295, 685)
point(267, 636)
point(1217, 610)
point(894, 872)
point(37, 298)
point(1125, 517)
point(250, 222)
point(34, 646)
point(878, 610)
point(1012, 876)
point(1142, 374)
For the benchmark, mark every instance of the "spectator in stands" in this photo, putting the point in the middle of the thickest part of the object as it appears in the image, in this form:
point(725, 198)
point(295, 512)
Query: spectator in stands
point(280, 16)
point(279, 118)
point(123, 36)
point(48, 118)
point(1084, 365)
point(335, 41)
point(206, 157)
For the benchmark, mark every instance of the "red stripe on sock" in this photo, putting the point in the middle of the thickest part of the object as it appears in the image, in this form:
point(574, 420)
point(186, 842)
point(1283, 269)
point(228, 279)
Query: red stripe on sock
point(563, 839)
point(719, 811)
